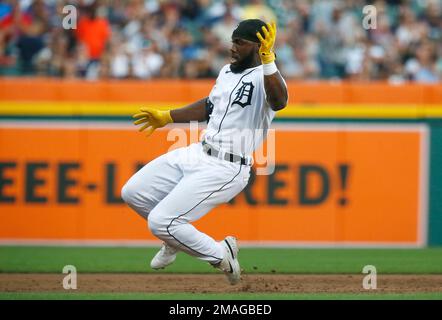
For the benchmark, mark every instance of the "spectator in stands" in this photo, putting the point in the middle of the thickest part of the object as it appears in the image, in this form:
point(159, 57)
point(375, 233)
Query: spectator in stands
point(191, 38)
point(93, 31)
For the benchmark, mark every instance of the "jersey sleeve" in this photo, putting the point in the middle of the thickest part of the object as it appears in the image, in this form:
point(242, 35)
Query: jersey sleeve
point(209, 101)
point(209, 109)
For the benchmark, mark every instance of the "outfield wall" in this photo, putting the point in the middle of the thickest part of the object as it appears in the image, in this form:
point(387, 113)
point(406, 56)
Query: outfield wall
point(356, 164)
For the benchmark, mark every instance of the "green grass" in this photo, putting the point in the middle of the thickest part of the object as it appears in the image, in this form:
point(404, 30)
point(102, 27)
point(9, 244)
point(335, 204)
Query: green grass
point(241, 296)
point(253, 260)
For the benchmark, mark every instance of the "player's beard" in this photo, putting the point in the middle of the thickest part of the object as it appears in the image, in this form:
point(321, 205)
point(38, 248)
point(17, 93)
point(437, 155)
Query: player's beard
point(247, 62)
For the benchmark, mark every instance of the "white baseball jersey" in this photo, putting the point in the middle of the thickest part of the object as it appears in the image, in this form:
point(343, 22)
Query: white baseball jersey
point(241, 115)
point(172, 192)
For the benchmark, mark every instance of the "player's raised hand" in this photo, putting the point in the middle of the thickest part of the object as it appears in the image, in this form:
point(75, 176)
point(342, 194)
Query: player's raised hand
point(152, 119)
point(267, 43)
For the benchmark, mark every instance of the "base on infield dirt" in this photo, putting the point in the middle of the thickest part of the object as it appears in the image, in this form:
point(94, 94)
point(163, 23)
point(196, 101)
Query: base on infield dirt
point(208, 283)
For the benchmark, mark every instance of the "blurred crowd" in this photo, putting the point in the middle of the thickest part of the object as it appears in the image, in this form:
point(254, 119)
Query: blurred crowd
point(144, 39)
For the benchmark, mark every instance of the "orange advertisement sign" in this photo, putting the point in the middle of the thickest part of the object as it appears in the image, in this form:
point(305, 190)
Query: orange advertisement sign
point(331, 185)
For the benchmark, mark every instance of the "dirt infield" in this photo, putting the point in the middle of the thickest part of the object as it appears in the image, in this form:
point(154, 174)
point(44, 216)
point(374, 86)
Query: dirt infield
point(169, 283)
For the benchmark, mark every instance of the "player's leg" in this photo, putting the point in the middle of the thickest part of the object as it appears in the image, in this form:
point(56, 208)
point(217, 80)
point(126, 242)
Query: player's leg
point(148, 186)
point(194, 196)
point(206, 184)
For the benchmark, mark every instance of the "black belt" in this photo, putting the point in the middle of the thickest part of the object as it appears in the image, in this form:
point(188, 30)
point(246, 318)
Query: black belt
point(211, 151)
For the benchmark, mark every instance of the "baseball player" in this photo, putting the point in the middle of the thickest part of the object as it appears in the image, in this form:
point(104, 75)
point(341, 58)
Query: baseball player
point(171, 192)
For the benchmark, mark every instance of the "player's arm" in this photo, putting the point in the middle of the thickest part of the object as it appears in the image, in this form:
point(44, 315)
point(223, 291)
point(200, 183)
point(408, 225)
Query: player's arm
point(152, 118)
point(276, 91)
point(275, 88)
point(193, 112)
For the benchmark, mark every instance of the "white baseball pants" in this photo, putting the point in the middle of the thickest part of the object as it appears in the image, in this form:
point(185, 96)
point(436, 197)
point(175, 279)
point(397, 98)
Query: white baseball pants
point(178, 188)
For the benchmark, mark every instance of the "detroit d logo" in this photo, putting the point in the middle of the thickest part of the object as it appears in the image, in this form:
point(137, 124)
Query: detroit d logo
point(243, 96)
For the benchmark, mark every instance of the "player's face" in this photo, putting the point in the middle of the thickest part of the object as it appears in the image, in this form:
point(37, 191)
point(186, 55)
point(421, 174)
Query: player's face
point(243, 54)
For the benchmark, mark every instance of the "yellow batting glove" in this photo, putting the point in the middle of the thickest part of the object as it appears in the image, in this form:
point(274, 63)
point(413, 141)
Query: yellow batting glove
point(266, 49)
point(152, 119)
